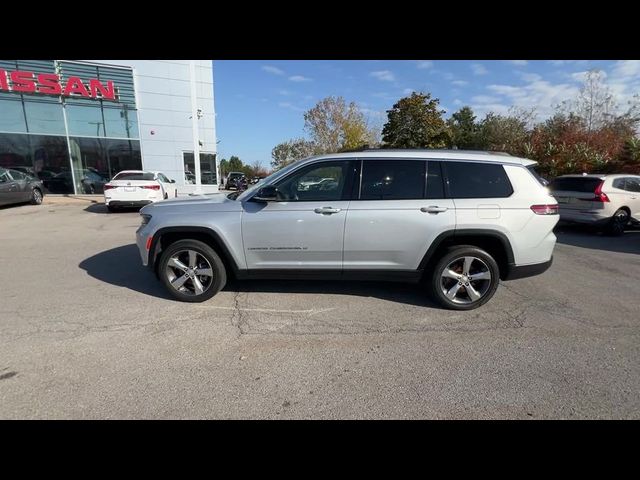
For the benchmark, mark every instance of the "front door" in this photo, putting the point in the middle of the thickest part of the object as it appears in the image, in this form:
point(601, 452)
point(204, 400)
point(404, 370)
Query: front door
point(304, 229)
point(8, 188)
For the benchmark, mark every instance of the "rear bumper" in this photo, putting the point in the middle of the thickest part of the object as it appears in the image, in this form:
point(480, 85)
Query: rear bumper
point(129, 203)
point(593, 218)
point(523, 271)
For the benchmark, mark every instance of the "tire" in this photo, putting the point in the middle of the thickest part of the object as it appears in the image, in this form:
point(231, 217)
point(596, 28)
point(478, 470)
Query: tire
point(454, 261)
point(166, 195)
point(36, 196)
point(618, 222)
point(206, 257)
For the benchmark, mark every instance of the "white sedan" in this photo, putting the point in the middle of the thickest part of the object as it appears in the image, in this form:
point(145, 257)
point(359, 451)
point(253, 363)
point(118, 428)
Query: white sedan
point(136, 188)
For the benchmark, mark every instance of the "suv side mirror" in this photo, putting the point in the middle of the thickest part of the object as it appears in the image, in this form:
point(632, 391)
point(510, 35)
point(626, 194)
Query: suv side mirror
point(172, 181)
point(268, 193)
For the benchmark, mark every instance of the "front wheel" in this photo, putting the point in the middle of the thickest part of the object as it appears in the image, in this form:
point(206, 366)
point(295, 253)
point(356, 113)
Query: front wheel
point(36, 196)
point(192, 271)
point(465, 278)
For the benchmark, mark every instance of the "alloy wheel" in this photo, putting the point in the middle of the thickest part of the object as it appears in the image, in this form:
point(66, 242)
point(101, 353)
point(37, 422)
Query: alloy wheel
point(465, 280)
point(189, 272)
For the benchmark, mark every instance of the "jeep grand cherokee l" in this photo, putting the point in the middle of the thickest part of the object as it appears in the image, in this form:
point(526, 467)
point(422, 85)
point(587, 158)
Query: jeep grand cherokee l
point(460, 221)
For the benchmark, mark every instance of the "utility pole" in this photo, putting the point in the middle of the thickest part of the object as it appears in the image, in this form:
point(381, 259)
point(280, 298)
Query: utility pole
point(195, 115)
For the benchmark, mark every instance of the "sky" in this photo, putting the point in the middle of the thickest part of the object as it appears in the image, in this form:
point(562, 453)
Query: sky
point(261, 103)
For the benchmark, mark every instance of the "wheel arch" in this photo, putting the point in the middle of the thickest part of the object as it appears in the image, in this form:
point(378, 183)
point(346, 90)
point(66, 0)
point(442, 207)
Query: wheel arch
point(495, 243)
point(168, 235)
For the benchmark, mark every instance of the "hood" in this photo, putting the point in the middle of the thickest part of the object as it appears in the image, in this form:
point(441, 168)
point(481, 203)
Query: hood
point(210, 202)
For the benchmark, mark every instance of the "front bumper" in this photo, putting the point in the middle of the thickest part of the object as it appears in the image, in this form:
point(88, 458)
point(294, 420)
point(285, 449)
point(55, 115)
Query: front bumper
point(523, 271)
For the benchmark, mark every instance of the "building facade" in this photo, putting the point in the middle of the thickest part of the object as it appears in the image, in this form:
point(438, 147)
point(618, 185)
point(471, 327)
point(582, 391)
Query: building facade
point(76, 123)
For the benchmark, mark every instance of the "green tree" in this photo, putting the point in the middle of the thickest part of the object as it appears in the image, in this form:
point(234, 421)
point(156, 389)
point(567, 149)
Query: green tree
point(288, 152)
point(235, 164)
point(503, 133)
point(335, 126)
point(464, 129)
point(416, 122)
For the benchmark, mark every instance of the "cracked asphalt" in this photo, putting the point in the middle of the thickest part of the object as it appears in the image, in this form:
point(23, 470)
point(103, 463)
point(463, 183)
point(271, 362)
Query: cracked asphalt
point(87, 332)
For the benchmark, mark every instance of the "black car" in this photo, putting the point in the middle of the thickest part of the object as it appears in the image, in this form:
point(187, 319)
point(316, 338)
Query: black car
point(18, 187)
point(232, 180)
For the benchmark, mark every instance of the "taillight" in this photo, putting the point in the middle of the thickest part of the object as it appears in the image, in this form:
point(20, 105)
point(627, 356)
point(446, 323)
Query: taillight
point(600, 196)
point(545, 209)
point(151, 187)
point(108, 187)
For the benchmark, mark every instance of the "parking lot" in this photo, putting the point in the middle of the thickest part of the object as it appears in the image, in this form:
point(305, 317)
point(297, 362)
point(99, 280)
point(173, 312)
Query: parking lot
point(87, 332)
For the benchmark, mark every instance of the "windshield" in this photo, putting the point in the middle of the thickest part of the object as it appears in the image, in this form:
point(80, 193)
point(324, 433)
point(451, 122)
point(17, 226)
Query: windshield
point(275, 175)
point(134, 176)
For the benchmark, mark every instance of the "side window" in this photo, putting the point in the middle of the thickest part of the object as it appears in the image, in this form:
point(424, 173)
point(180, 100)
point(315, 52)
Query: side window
point(162, 178)
point(477, 180)
point(4, 176)
point(17, 175)
point(326, 181)
point(435, 187)
point(619, 183)
point(632, 185)
point(392, 179)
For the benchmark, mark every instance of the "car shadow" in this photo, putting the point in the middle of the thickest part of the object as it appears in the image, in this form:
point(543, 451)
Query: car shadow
point(121, 266)
point(101, 208)
point(588, 237)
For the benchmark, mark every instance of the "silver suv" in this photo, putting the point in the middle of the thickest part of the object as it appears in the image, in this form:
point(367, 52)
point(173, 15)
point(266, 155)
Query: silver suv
point(460, 221)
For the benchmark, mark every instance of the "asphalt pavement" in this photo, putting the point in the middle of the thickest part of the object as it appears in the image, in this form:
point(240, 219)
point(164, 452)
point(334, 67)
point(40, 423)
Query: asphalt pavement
point(87, 332)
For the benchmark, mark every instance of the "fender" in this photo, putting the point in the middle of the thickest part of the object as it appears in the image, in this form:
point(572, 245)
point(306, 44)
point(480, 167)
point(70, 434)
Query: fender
point(153, 250)
point(454, 234)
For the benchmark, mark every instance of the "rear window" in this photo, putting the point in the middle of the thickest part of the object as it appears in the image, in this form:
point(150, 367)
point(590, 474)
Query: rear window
point(575, 184)
point(134, 176)
point(541, 180)
point(477, 180)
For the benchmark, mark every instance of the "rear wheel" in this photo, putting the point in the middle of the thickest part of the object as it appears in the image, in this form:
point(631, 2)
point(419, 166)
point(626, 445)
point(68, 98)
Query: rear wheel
point(36, 196)
point(192, 271)
point(618, 223)
point(465, 278)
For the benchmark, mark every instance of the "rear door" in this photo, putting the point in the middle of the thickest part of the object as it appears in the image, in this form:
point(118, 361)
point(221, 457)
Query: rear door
point(8, 188)
point(398, 210)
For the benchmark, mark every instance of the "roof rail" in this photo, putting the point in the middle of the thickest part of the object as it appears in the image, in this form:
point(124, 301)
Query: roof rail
point(366, 148)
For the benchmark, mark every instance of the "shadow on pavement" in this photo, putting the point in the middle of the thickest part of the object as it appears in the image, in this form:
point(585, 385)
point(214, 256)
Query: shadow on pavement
point(410, 294)
point(587, 237)
point(102, 208)
point(121, 267)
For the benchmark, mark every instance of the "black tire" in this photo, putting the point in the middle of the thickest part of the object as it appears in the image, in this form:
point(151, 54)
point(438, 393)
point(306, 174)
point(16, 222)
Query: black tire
point(618, 223)
point(487, 288)
point(219, 278)
point(166, 195)
point(36, 196)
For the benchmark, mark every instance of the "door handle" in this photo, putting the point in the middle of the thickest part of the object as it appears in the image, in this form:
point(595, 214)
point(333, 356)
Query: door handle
point(433, 209)
point(327, 210)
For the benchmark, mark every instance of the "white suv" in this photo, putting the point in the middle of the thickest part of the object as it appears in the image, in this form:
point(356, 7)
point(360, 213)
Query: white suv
point(608, 201)
point(460, 221)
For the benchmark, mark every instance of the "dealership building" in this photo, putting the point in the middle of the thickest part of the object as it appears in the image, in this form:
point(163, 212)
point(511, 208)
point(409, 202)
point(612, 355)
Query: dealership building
point(76, 123)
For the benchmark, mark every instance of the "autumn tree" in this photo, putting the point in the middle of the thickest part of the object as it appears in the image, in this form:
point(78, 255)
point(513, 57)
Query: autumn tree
point(503, 133)
point(464, 130)
point(288, 152)
point(334, 126)
point(415, 122)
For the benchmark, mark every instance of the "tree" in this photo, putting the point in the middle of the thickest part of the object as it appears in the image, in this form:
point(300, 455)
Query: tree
point(235, 164)
point(335, 126)
point(594, 104)
point(415, 122)
point(503, 133)
point(288, 152)
point(464, 130)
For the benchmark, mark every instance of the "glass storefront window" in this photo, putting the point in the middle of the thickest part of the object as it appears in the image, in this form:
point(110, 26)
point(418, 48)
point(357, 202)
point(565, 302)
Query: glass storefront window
point(12, 116)
point(208, 168)
point(121, 122)
point(85, 120)
point(44, 117)
point(124, 155)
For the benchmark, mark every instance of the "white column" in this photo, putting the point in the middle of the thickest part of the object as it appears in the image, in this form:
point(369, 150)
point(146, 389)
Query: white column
point(194, 122)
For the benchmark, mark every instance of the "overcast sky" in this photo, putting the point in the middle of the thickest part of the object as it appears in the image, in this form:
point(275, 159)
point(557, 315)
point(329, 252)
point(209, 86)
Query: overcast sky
point(260, 103)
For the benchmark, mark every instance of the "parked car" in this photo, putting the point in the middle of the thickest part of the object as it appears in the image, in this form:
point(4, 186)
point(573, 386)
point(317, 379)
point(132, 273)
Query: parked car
point(255, 180)
point(609, 202)
point(18, 187)
point(231, 180)
point(93, 182)
point(136, 188)
point(459, 220)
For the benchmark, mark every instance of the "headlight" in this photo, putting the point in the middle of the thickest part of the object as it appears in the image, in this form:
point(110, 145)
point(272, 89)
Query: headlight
point(145, 218)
